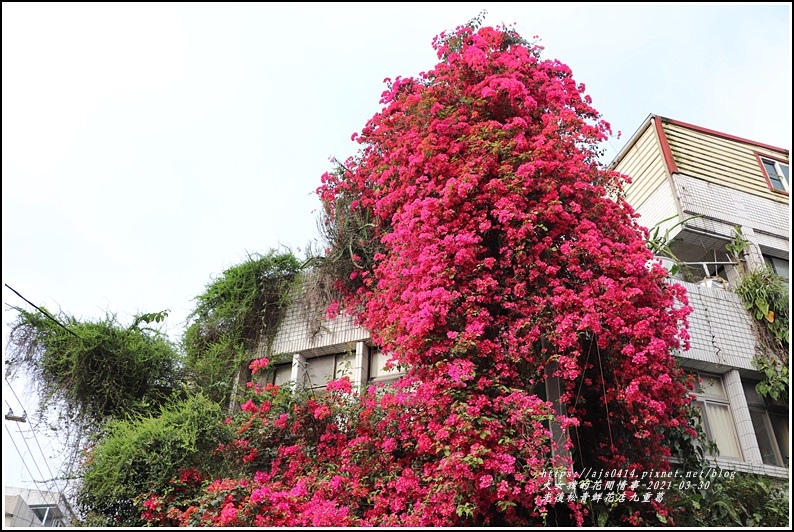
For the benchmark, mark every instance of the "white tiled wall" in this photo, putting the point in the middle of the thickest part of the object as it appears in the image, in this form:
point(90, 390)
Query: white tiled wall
point(660, 205)
point(295, 334)
point(722, 333)
point(733, 207)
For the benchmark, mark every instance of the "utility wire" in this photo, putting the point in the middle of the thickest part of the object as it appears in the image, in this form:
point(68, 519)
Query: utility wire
point(70, 460)
point(19, 517)
point(35, 462)
point(43, 311)
point(23, 458)
point(26, 442)
point(46, 463)
point(33, 432)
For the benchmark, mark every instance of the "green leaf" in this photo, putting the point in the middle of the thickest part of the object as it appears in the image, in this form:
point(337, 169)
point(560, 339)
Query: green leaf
point(503, 505)
point(603, 517)
point(729, 510)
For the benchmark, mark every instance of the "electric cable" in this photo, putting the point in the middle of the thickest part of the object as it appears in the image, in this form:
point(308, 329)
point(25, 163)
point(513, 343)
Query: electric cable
point(24, 411)
point(43, 312)
point(22, 457)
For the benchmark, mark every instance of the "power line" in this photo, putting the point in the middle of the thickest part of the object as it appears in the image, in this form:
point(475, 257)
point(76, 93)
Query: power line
point(33, 432)
point(46, 463)
point(71, 460)
point(21, 456)
point(15, 395)
point(42, 311)
point(35, 462)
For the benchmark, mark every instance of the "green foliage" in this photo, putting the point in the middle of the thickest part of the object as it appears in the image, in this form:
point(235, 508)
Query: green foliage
point(238, 310)
point(776, 377)
point(765, 296)
point(96, 370)
point(739, 499)
point(659, 243)
point(137, 454)
point(738, 245)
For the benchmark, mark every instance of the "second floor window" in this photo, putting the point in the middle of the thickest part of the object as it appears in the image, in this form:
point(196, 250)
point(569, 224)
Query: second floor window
point(777, 173)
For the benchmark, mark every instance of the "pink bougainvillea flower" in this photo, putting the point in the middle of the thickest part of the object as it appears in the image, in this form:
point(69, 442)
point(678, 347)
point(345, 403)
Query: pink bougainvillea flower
point(483, 245)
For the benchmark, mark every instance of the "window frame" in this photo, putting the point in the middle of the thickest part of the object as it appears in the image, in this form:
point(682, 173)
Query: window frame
point(776, 263)
point(339, 359)
point(274, 371)
point(765, 407)
point(268, 376)
point(388, 376)
point(705, 398)
point(777, 163)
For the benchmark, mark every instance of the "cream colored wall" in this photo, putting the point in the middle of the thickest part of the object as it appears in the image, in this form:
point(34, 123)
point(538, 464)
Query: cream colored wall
point(720, 160)
point(644, 163)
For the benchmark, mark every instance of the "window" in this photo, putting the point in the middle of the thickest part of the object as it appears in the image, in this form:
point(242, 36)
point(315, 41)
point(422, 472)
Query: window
point(278, 374)
point(322, 369)
point(281, 374)
point(711, 400)
point(779, 266)
point(776, 172)
point(770, 422)
point(377, 363)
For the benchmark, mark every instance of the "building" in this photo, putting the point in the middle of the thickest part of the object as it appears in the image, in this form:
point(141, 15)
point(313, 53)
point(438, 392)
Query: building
point(36, 508)
point(698, 185)
point(325, 350)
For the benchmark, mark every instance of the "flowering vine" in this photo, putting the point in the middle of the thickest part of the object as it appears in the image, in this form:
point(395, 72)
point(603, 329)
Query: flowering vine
point(485, 248)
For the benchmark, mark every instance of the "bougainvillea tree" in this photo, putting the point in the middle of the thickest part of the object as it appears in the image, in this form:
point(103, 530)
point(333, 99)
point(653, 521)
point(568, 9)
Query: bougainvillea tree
point(486, 249)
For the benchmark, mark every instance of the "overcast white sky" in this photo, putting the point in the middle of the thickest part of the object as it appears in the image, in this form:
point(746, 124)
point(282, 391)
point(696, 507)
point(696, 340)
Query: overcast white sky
point(148, 147)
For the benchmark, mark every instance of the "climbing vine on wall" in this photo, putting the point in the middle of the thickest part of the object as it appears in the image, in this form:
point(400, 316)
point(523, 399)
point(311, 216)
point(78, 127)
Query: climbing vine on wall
point(766, 297)
point(239, 309)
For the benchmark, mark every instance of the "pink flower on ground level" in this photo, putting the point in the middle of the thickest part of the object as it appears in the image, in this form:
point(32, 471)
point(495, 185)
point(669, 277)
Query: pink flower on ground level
point(228, 515)
point(320, 411)
point(343, 385)
point(281, 422)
